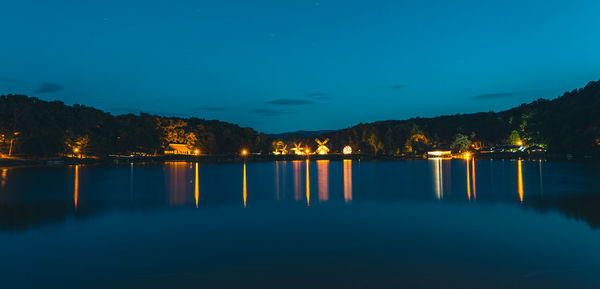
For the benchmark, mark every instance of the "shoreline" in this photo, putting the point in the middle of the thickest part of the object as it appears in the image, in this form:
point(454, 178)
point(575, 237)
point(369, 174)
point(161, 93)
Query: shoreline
point(119, 160)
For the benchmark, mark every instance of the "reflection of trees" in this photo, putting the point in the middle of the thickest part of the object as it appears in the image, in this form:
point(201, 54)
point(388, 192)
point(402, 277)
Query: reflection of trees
point(579, 206)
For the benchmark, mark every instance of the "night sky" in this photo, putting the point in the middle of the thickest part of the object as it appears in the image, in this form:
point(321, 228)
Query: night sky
point(298, 65)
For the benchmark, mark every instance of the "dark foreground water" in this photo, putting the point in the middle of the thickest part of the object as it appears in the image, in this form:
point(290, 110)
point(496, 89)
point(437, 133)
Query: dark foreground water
point(317, 224)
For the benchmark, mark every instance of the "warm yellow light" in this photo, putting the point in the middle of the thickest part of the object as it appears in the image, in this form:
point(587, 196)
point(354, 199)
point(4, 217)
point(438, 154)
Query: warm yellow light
point(520, 143)
point(520, 181)
point(244, 186)
point(347, 150)
point(196, 151)
point(76, 150)
point(244, 152)
point(307, 151)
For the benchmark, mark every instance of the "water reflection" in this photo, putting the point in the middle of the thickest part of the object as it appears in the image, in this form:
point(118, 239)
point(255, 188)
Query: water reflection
point(520, 181)
point(323, 177)
point(486, 182)
point(176, 182)
point(76, 187)
point(348, 181)
point(3, 178)
point(471, 179)
point(297, 180)
point(438, 180)
point(307, 185)
point(468, 181)
point(244, 186)
point(394, 220)
point(474, 183)
point(196, 186)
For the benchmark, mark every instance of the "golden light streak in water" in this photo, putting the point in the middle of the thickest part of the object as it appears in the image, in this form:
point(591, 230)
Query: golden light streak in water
point(438, 178)
point(323, 177)
point(348, 181)
point(307, 185)
point(244, 189)
point(468, 181)
point(474, 184)
point(3, 181)
point(520, 180)
point(296, 180)
point(196, 186)
point(76, 187)
point(177, 182)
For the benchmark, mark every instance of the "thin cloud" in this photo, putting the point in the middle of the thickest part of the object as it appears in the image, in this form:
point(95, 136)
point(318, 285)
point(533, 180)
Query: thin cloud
point(290, 101)
point(398, 86)
point(48, 87)
point(268, 112)
point(314, 94)
point(494, 95)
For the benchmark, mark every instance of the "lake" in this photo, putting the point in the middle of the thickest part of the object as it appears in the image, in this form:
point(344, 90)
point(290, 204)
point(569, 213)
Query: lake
point(302, 224)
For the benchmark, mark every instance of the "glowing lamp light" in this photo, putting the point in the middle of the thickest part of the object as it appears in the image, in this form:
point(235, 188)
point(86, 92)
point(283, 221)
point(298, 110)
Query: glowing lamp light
point(244, 152)
point(76, 150)
point(347, 150)
point(196, 151)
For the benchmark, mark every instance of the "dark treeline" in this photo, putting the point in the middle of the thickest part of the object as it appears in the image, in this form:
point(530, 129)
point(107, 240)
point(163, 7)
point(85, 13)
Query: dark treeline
point(568, 124)
point(40, 128)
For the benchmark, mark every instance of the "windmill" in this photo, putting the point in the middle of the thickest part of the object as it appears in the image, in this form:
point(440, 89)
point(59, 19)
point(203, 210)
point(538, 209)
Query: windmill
point(322, 149)
point(297, 149)
point(280, 148)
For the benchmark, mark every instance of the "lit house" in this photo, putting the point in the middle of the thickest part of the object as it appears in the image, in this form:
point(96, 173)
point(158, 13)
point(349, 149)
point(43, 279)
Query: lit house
point(439, 154)
point(178, 149)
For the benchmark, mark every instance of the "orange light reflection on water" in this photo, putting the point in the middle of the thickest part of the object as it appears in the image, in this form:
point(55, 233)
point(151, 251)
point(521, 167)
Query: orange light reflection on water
point(196, 186)
point(348, 181)
point(323, 177)
point(244, 189)
point(307, 185)
point(468, 181)
point(76, 187)
point(474, 184)
point(297, 173)
point(3, 181)
point(520, 181)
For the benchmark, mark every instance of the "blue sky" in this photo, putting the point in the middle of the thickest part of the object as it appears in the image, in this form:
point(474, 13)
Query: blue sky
point(298, 65)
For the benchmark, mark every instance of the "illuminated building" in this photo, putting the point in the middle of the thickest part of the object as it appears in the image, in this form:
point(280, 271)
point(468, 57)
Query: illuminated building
point(179, 149)
point(347, 150)
point(439, 154)
point(322, 149)
point(298, 150)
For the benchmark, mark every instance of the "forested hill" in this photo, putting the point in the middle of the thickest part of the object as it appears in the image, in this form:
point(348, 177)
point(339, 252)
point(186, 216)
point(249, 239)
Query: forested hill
point(567, 124)
point(41, 128)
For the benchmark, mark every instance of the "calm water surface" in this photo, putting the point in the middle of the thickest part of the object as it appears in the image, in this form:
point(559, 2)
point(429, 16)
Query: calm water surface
point(316, 224)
